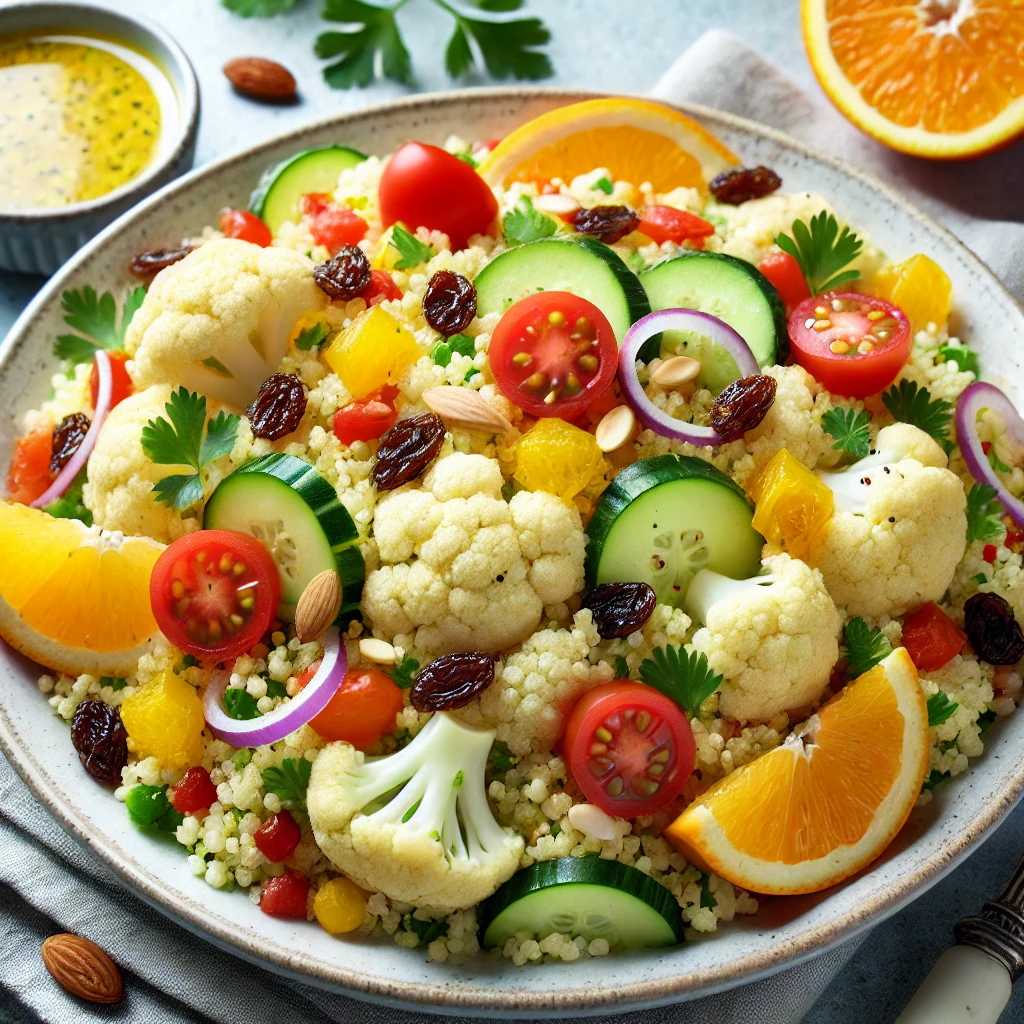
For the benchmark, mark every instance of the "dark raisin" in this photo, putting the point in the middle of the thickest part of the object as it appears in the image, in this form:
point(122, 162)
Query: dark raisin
point(449, 303)
point(99, 736)
point(407, 449)
point(619, 609)
point(146, 264)
point(742, 404)
point(735, 187)
point(68, 436)
point(278, 406)
point(452, 681)
point(345, 275)
point(993, 631)
point(608, 223)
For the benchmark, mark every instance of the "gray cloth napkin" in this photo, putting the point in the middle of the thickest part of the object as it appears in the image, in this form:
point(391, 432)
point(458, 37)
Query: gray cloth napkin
point(49, 883)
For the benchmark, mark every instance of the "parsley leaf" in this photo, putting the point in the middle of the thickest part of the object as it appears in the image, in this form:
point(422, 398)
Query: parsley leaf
point(966, 359)
point(603, 185)
point(526, 224)
point(258, 8)
point(412, 252)
point(289, 781)
point(95, 318)
point(934, 778)
point(179, 440)
point(371, 30)
point(311, 337)
point(425, 931)
point(240, 704)
point(822, 250)
point(940, 707)
point(850, 430)
point(404, 675)
point(507, 46)
point(984, 512)
point(707, 899)
point(500, 758)
point(910, 404)
point(621, 668)
point(865, 647)
point(683, 676)
point(986, 719)
point(114, 682)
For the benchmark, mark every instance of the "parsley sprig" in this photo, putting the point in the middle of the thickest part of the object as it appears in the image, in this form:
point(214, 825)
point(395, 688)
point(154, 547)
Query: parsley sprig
point(683, 676)
point(940, 707)
point(822, 249)
point(526, 224)
point(909, 403)
point(290, 781)
point(259, 8)
point(865, 647)
point(404, 675)
point(312, 336)
point(850, 430)
point(180, 440)
point(984, 514)
point(94, 317)
point(411, 251)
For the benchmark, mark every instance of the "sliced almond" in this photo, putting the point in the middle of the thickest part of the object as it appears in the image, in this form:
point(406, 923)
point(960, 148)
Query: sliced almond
point(592, 821)
point(674, 372)
point(465, 408)
point(318, 606)
point(615, 429)
point(378, 651)
point(556, 204)
point(80, 967)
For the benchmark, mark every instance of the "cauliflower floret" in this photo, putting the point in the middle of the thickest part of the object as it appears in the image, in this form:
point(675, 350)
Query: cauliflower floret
point(433, 843)
point(898, 530)
point(774, 638)
point(463, 569)
point(219, 320)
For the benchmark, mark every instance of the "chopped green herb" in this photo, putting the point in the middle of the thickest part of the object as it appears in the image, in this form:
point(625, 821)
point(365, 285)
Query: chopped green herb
point(940, 708)
point(621, 668)
point(997, 463)
point(526, 224)
point(850, 430)
point(980, 578)
point(95, 318)
point(259, 8)
point(290, 781)
point(412, 252)
point(683, 676)
point(276, 689)
point(966, 359)
point(500, 758)
point(865, 647)
point(466, 157)
point(603, 185)
point(404, 675)
point(240, 704)
point(312, 337)
point(426, 931)
point(189, 661)
point(910, 404)
point(707, 899)
point(934, 778)
point(984, 514)
point(114, 682)
point(986, 719)
point(822, 250)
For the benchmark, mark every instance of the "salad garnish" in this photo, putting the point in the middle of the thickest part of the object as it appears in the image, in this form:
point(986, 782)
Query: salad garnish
point(849, 427)
point(95, 318)
point(984, 514)
point(526, 223)
point(864, 647)
point(683, 676)
point(822, 250)
point(911, 404)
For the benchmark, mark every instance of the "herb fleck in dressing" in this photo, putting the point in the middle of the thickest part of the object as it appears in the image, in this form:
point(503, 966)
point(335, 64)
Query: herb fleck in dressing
point(80, 118)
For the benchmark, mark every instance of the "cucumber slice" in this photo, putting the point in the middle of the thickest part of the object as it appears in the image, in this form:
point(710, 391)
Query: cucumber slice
point(580, 265)
point(663, 519)
point(598, 899)
point(285, 503)
point(731, 289)
point(276, 197)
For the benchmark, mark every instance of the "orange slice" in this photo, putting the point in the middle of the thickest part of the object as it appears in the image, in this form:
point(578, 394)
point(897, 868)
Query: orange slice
point(826, 802)
point(938, 78)
point(636, 140)
point(72, 597)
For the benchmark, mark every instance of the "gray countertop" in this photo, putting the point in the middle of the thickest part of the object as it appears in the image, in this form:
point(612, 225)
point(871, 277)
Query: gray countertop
point(596, 43)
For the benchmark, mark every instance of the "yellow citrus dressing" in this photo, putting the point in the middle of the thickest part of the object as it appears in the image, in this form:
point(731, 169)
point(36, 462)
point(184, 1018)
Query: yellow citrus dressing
point(80, 117)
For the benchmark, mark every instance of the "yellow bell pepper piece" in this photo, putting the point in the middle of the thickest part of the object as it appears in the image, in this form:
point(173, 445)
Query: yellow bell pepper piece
point(793, 505)
point(373, 350)
point(340, 906)
point(164, 719)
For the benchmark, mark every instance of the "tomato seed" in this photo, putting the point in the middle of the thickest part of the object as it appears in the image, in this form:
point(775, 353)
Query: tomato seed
point(572, 384)
point(522, 359)
point(616, 786)
point(536, 382)
point(239, 568)
point(643, 720)
point(820, 311)
point(645, 787)
point(603, 734)
point(662, 755)
point(822, 325)
point(875, 314)
point(225, 564)
point(597, 749)
point(839, 347)
point(865, 347)
point(589, 362)
point(656, 769)
point(556, 318)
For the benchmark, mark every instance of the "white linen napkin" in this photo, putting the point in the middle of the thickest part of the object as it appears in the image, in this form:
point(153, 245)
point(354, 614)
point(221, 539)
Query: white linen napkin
point(49, 883)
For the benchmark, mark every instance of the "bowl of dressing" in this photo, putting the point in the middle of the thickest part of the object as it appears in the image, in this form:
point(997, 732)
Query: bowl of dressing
point(97, 110)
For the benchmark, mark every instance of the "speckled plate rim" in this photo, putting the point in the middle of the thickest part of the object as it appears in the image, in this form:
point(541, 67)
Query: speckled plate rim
point(461, 997)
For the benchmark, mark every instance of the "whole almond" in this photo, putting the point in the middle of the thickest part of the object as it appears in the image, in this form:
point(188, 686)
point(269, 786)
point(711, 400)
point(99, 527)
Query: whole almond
point(466, 408)
point(260, 78)
point(676, 371)
point(80, 967)
point(318, 606)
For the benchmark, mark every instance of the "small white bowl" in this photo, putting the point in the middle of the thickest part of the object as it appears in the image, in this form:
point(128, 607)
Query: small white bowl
point(39, 241)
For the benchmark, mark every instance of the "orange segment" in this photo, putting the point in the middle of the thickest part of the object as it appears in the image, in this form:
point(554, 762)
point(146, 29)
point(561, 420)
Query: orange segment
point(636, 140)
point(828, 801)
point(939, 78)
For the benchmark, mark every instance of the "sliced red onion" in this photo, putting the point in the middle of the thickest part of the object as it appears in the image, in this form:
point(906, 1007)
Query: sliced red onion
point(66, 477)
point(677, 320)
point(285, 719)
point(974, 398)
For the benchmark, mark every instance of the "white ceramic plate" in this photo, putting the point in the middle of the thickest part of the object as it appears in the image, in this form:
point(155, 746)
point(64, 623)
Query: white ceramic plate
point(786, 930)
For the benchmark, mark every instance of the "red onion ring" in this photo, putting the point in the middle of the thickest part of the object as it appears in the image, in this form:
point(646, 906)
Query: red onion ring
point(677, 320)
point(66, 477)
point(283, 720)
point(974, 398)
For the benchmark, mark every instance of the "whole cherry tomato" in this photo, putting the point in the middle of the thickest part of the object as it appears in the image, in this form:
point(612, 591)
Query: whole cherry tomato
point(362, 710)
point(382, 286)
point(423, 186)
point(932, 638)
point(246, 226)
point(29, 474)
point(332, 225)
point(195, 792)
point(277, 837)
point(366, 419)
point(285, 896)
point(784, 272)
point(122, 385)
point(667, 224)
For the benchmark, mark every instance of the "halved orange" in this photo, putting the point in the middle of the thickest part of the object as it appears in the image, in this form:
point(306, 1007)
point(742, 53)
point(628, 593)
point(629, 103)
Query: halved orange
point(636, 140)
point(72, 597)
point(825, 803)
point(937, 78)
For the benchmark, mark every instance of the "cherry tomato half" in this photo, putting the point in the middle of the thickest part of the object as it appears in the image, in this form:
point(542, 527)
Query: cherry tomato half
point(285, 896)
point(362, 710)
point(366, 419)
point(423, 186)
point(553, 354)
point(630, 748)
point(784, 272)
point(667, 224)
point(853, 344)
point(214, 593)
point(330, 224)
point(246, 226)
point(29, 473)
point(932, 638)
point(122, 383)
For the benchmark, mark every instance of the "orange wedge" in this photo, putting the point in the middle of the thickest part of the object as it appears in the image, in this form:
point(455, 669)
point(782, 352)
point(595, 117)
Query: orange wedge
point(72, 597)
point(828, 801)
point(936, 78)
point(636, 140)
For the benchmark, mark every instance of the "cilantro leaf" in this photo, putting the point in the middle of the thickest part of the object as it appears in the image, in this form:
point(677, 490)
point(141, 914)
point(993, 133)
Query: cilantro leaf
point(240, 704)
point(850, 430)
point(966, 359)
point(683, 676)
point(526, 224)
point(621, 668)
point(412, 252)
point(865, 647)
point(500, 758)
point(822, 250)
point(984, 512)
point(372, 30)
point(940, 707)
point(258, 8)
point(290, 781)
point(404, 675)
point(603, 185)
point(910, 404)
point(311, 337)
point(95, 318)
